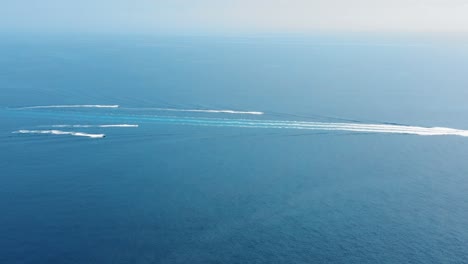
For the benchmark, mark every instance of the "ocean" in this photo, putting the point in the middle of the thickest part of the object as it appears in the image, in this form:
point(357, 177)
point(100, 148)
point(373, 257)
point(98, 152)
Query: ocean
point(253, 149)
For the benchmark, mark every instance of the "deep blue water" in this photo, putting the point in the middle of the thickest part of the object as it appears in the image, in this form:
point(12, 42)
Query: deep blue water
point(170, 192)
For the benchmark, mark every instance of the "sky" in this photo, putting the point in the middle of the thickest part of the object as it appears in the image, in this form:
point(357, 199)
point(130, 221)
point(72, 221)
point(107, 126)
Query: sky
point(191, 16)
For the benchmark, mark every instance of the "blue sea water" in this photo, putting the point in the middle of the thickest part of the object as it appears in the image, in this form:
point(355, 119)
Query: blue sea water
point(179, 192)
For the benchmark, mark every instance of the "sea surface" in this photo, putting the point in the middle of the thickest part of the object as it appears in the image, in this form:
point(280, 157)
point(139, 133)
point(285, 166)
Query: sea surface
point(255, 149)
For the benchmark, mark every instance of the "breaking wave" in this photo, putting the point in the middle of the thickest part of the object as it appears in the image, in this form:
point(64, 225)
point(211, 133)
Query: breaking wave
point(59, 132)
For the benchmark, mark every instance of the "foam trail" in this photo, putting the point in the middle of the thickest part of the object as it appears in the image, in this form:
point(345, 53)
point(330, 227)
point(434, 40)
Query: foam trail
point(103, 126)
point(59, 132)
point(278, 124)
point(221, 111)
point(267, 124)
point(69, 106)
point(369, 128)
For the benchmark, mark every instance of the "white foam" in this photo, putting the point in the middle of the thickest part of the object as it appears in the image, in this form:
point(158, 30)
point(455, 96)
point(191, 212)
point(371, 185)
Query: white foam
point(368, 128)
point(103, 126)
point(59, 132)
point(351, 127)
point(221, 111)
point(70, 106)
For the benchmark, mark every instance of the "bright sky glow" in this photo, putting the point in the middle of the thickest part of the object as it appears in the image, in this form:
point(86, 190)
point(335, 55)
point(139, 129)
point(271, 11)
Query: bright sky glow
point(234, 16)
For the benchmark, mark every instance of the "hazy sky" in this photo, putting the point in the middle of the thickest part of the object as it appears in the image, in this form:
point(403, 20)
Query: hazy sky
point(234, 16)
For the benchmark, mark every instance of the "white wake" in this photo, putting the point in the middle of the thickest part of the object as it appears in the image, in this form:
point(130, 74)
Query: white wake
point(59, 132)
point(87, 126)
point(70, 106)
point(220, 111)
point(352, 127)
point(300, 125)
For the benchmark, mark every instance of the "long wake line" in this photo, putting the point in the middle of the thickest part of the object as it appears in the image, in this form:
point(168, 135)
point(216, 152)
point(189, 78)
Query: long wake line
point(88, 126)
point(69, 106)
point(122, 120)
point(59, 132)
point(220, 111)
point(350, 127)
